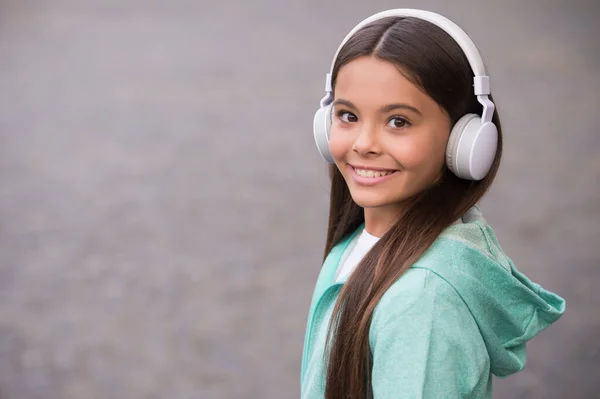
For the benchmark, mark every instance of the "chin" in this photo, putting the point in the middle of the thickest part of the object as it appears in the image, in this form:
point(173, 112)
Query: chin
point(371, 200)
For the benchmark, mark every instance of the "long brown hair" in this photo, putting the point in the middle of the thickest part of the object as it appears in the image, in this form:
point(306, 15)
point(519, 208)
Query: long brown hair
point(436, 64)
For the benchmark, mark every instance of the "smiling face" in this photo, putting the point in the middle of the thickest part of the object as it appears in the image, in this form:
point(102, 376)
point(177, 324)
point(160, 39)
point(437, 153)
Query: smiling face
point(388, 138)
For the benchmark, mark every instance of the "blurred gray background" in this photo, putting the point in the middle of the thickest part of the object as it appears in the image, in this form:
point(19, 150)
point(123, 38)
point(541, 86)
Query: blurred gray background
point(163, 206)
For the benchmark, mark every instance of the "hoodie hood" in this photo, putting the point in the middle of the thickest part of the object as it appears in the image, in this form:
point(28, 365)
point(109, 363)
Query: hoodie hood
point(507, 306)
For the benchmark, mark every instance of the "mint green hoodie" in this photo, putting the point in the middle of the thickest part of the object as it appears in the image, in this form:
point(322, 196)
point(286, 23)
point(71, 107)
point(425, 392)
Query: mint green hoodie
point(461, 313)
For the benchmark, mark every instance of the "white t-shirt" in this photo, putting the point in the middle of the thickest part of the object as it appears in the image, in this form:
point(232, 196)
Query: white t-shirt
point(357, 249)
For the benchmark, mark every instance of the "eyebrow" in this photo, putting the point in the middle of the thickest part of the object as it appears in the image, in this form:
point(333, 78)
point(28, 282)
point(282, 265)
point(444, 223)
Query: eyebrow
point(385, 108)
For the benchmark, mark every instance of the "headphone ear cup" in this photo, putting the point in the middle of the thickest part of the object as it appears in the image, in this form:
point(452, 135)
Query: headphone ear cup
point(321, 131)
point(471, 147)
point(454, 140)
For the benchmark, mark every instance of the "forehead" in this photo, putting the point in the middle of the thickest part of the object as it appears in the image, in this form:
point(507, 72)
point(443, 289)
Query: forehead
point(371, 81)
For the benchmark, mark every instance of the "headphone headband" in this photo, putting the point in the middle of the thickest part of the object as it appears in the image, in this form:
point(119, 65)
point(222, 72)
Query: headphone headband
point(481, 81)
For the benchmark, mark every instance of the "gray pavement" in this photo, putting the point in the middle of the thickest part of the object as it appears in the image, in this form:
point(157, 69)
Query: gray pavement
point(163, 207)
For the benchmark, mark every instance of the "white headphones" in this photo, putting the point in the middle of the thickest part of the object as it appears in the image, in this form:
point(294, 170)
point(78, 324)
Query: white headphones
point(473, 140)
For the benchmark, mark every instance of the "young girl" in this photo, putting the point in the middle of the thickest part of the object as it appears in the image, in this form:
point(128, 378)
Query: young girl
point(415, 299)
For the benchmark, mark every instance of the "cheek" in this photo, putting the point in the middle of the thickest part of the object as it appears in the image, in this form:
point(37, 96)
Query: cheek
point(339, 144)
point(420, 153)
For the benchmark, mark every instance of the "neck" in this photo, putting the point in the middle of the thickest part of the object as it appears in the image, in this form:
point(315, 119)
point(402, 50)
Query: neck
point(379, 220)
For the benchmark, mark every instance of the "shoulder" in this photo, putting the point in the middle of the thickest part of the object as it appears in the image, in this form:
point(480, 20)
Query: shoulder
point(449, 275)
point(419, 294)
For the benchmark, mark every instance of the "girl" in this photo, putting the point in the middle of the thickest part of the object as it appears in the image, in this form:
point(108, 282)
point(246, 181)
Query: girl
point(415, 299)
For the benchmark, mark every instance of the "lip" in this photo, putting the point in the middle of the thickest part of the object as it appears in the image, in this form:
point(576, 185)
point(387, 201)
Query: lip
point(369, 181)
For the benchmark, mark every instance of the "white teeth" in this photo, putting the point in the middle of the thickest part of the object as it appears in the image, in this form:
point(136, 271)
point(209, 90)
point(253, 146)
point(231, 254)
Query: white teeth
point(372, 173)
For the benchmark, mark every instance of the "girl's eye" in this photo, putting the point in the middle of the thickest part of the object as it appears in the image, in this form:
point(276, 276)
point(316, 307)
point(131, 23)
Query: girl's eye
point(398, 122)
point(347, 117)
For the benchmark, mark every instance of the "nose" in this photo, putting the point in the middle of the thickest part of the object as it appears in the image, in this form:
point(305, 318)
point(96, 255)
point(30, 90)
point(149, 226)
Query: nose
point(366, 142)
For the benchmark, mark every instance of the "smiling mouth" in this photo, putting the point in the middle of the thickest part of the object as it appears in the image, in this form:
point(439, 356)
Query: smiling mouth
point(372, 173)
